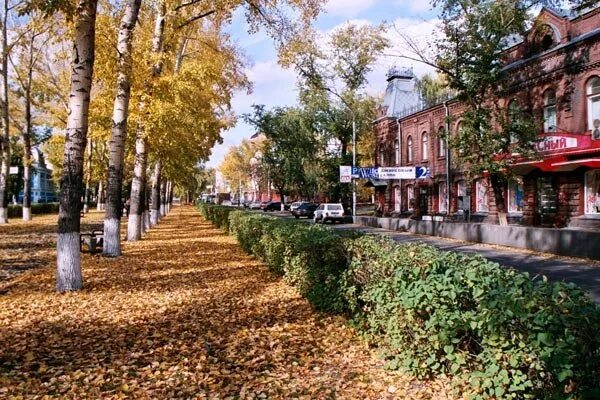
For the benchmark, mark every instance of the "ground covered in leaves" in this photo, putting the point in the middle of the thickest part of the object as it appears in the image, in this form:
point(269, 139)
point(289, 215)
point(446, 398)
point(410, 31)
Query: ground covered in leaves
point(183, 314)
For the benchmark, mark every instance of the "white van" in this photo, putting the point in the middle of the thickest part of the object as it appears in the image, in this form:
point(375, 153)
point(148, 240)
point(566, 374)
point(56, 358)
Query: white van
point(329, 212)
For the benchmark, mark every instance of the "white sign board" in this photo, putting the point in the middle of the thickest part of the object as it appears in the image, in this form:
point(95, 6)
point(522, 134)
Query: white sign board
point(345, 174)
point(553, 143)
point(396, 172)
point(13, 170)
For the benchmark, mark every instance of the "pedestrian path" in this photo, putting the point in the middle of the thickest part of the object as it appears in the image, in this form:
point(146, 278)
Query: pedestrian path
point(184, 313)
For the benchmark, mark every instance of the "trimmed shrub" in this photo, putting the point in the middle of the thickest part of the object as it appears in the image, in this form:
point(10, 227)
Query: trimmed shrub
point(497, 332)
point(36, 208)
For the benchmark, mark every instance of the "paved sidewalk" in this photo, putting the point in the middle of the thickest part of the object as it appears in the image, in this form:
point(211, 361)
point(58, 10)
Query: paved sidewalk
point(584, 273)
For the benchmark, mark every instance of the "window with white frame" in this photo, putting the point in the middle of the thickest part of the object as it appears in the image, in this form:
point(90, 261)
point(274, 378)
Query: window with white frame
point(593, 99)
point(409, 149)
point(381, 156)
point(592, 192)
point(441, 142)
point(515, 195)
point(397, 152)
point(443, 197)
point(550, 110)
point(425, 146)
point(462, 203)
point(410, 197)
point(482, 195)
point(397, 198)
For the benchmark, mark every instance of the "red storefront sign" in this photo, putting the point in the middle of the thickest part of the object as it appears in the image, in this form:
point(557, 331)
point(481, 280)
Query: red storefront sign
point(556, 142)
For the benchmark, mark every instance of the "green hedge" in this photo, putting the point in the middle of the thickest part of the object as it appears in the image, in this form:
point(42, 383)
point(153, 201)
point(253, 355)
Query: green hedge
point(498, 333)
point(37, 208)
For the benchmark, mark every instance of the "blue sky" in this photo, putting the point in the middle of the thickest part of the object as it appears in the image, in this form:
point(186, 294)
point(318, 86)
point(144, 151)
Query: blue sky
point(275, 86)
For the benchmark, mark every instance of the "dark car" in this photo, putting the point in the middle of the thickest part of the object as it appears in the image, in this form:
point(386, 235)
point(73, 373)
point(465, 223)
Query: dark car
point(272, 206)
point(305, 210)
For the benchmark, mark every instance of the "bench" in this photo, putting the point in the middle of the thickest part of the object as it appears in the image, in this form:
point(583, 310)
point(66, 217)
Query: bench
point(93, 241)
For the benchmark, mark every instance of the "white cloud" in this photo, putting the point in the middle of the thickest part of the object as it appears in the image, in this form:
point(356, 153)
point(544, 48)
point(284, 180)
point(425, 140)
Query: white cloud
point(348, 8)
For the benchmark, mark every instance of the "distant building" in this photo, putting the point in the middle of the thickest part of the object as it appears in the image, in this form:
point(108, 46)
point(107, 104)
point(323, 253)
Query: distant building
point(41, 184)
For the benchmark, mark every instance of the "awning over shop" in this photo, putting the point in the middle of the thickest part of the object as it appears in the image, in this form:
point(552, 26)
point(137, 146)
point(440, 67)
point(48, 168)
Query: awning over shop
point(555, 164)
point(573, 164)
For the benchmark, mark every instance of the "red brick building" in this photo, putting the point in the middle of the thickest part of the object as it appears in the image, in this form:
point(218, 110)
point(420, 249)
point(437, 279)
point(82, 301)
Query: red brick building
point(555, 72)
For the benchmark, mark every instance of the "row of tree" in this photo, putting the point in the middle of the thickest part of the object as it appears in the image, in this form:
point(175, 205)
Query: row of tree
point(145, 87)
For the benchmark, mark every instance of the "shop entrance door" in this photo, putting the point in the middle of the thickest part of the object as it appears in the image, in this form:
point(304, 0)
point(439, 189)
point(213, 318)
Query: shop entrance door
point(547, 200)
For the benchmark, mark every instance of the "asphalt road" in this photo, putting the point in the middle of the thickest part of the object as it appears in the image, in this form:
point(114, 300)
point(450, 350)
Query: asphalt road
point(584, 273)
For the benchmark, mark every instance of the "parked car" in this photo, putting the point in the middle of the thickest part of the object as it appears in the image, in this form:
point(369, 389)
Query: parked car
point(255, 205)
point(272, 206)
point(329, 212)
point(296, 204)
point(305, 210)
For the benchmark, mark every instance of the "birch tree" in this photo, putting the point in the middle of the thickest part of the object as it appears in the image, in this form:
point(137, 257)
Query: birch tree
point(112, 219)
point(68, 273)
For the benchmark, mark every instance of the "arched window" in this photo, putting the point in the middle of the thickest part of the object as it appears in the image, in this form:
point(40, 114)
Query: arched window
point(593, 99)
point(441, 142)
point(425, 146)
point(409, 149)
point(550, 110)
point(397, 152)
point(381, 156)
point(410, 197)
point(397, 201)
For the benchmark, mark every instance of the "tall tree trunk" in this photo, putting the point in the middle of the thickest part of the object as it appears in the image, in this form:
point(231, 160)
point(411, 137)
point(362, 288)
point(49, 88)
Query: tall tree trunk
point(156, 181)
point(498, 184)
point(136, 216)
point(100, 199)
point(27, 139)
point(146, 220)
point(134, 224)
point(5, 138)
point(88, 178)
point(68, 271)
point(163, 199)
point(118, 134)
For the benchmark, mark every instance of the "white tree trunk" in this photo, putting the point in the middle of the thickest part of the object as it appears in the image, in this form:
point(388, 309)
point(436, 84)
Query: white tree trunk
point(4, 137)
point(68, 271)
point(100, 202)
point(136, 224)
point(27, 214)
point(118, 134)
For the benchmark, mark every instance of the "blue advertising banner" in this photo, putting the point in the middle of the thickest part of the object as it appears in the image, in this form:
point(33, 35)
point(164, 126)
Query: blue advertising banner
point(365, 172)
point(422, 172)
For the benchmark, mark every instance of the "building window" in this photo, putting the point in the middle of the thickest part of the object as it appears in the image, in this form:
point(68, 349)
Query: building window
point(514, 113)
point(482, 195)
point(381, 156)
point(410, 197)
point(592, 192)
point(462, 201)
point(550, 110)
point(515, 195)
point(593, 96)
point(397, 198)
point(409, 149)
point(397, 152)
point(441, 143)
point(425, 148)
point(443, 197)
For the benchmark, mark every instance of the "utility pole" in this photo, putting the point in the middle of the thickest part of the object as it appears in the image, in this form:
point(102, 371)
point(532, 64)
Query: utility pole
point(353, 165)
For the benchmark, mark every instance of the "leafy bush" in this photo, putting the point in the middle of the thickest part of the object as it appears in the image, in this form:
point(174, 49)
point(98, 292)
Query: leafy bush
point(37, 208)
point(310, 258)
point(499, 333)
point(218, 215)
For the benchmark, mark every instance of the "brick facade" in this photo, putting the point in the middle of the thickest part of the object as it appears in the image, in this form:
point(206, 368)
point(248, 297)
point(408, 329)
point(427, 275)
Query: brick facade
point(561, 58)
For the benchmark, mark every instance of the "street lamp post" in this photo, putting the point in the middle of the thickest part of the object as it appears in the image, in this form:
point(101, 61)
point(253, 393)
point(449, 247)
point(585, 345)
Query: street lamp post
point(353, 165)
